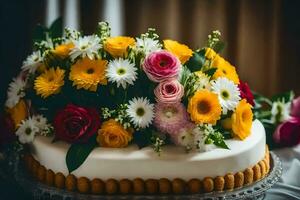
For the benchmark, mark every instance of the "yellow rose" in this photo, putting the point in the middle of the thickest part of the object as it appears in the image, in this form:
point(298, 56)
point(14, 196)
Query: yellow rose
point(182, 51)
point(18, 113)
point(210, 53)
point(241, 120)
point(117, 46)
point(112, 134)
point(224, 69)
point(63, 50)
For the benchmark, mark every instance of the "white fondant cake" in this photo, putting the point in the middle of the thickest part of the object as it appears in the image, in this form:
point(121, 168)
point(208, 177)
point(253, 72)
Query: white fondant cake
point(131, 162)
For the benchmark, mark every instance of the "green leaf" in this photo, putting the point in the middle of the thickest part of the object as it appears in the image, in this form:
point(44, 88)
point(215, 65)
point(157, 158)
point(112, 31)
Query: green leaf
point(221, 143)
point(196, 62)
point(78, 153)
point(185, 73)
point(219, 46)
point(286, 97)
point(260, 100)
point(210, 72)
point(227, 134)
point(218, 140)
point(56, 28)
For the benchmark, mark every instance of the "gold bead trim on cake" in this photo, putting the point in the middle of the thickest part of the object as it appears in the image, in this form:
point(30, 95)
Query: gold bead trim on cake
point(149, 186)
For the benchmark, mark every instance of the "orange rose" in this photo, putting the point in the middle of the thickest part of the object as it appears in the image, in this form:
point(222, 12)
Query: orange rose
point(241, 120)
point(112, 134)
point(18, 113)
point(117, 46)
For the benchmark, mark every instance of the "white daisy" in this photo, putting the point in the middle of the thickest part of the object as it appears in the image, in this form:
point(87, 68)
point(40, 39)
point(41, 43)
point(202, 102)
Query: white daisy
point(140, 111)
point(122, 72)
point(32, 62)
point(40, 121)
point(42, 124)
point(27, 131)
point(147, 45)
point(228, 93)
point(86, 46)
point(15, 92)
point(280, 111)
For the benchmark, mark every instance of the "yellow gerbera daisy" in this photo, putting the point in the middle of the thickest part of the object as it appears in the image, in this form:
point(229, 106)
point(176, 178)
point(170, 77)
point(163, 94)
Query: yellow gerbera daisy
point(241, 120)
point(224, 69)
point(63, 50)
point(117, 46)
point(204, 107)
point(87, 74)
point(182, 51)
point(50, 82)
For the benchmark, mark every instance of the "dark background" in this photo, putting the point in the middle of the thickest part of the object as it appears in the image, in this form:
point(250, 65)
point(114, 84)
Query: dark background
point(263, 36)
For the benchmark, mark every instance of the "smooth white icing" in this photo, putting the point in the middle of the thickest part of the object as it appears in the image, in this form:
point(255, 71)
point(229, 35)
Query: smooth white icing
point(131, 162)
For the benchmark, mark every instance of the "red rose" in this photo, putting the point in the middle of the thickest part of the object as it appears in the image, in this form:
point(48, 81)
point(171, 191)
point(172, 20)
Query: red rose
point(76, 124)
point(246, 92)
point(288, 133)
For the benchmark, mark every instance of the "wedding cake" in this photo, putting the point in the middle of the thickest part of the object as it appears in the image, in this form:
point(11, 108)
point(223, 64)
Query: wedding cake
point(121, 115)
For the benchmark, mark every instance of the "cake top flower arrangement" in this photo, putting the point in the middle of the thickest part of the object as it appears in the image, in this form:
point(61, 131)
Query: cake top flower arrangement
point(105, 91)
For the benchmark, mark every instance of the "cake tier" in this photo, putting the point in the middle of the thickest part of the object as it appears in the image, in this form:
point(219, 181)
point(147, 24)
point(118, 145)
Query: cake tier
point(131, 162)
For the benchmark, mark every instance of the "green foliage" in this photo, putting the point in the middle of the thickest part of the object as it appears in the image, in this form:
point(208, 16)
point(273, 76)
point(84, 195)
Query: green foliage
point(151, 33)
point(210, 72)
point(56, 28)
point(217, 139)
point(158, 140)
point(54, 31)
point(214, 41)
point(78, 153)
point(219, 46)
point(103, 31)
point(285, 97)
point(119, 114)
point(197, 61)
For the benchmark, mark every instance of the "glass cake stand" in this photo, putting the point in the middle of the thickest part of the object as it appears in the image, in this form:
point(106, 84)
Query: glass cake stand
point(256, 190)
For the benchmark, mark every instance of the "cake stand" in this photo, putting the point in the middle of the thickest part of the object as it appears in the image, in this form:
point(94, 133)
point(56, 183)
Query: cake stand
point(256, 190)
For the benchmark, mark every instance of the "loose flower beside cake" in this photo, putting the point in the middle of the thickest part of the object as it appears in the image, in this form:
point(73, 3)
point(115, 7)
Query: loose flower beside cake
point(105, 91)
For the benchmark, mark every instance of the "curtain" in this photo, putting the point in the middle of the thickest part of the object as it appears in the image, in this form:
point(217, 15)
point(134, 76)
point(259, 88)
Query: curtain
point(250, 28)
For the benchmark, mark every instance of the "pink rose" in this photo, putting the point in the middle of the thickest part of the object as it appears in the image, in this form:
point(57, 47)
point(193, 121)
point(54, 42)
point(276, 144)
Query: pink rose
point(288, 133)
point(295, 109)
point(169, 91)
point(161, 65)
